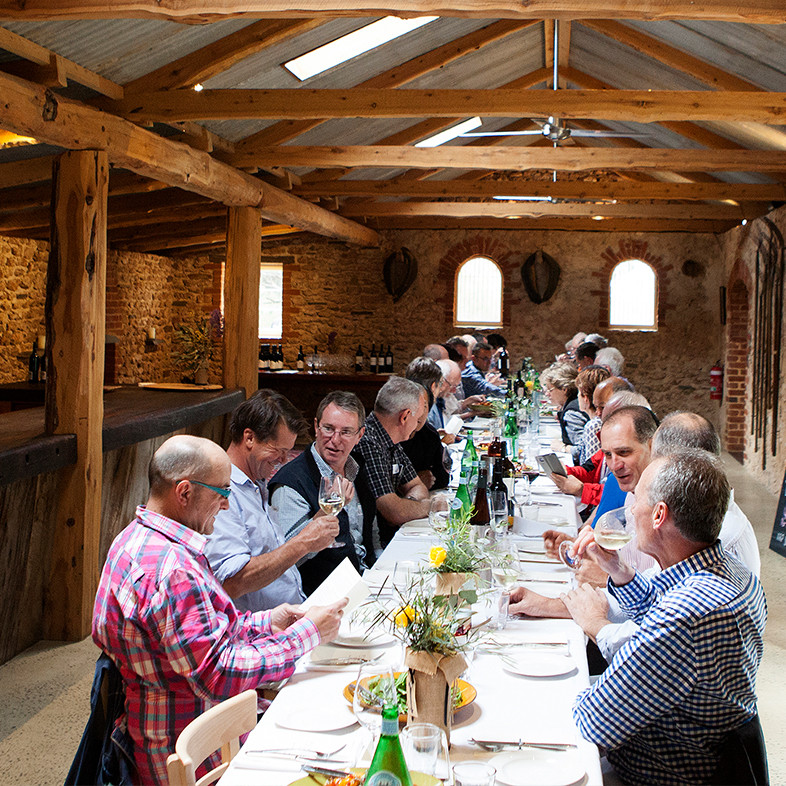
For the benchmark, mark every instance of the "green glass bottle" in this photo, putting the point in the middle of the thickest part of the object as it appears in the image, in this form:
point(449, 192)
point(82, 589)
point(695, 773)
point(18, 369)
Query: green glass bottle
point(388, 767)
point(474, 465)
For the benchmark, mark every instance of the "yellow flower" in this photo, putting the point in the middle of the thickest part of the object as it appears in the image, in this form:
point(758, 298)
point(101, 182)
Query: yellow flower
point(437, 555)
point(529, 384)
point(404, 616)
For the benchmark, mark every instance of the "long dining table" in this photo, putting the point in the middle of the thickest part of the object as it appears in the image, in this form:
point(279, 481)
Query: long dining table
point(311, 712)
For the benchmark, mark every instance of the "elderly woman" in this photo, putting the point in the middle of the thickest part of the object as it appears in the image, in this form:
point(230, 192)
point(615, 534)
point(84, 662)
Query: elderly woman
point(559, 384)
point(586, 382)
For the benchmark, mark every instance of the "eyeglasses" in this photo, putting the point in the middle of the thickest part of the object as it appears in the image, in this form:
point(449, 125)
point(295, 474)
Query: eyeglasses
point(344, 433)
point(222, 491)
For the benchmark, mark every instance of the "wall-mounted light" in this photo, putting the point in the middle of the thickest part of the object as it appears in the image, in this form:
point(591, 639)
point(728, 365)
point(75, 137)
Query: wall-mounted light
point(198, 87)
point(151, 334)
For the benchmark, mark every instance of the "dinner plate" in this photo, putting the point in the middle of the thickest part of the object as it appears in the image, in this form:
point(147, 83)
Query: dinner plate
point(356, 637)
point(418, 778)
point(468, 695)
point(538, 664)
point(317, 719)
point(535, 765)
point(525, 556)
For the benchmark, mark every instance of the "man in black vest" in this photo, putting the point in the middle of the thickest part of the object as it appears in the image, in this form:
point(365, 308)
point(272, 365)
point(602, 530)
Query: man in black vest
point(338, 426)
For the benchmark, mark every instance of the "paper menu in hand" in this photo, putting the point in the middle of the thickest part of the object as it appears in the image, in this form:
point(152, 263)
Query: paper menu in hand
point(343, 582)
point(453, 426)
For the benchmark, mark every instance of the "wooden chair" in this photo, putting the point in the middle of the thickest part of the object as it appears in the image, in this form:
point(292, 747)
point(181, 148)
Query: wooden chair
point(219, 727)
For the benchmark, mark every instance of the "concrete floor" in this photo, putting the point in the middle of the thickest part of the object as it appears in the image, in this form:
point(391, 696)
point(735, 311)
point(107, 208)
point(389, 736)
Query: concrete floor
point(45, 691)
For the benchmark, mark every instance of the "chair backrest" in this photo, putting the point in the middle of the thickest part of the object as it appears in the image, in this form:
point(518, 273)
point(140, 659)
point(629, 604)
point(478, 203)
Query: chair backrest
point(218, 727)
point(743, 757)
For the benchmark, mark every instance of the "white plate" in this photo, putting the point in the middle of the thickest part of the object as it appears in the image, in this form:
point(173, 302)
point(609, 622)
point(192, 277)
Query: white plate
point(527, 557)
point(317, 719)
point(536, 766)
point(538, 664)
point(360, 638)
point(532, 546)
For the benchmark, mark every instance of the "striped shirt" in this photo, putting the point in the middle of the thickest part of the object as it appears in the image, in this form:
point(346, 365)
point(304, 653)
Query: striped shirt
point(686, 678)
point(177, 638)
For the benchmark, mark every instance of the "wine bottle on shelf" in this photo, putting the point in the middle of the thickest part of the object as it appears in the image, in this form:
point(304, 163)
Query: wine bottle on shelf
point(42, 368)
point(519, 386)
point(359, 359)
point(373, 359)
point(266, 357)
point(389, 361)
point(32, 365)
point(301, 360)
point(259, 362)
point(273, 357)
point(315, 358)
point(504, 362)
point(280, 357)
point(388, 767)
point(480, 515)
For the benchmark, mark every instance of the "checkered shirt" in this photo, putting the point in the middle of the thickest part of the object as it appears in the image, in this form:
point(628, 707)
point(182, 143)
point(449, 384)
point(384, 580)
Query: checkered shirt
point(177, 638)
point(686, 678)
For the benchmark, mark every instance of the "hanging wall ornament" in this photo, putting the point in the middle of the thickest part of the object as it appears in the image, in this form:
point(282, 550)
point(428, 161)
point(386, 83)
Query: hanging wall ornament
point(399, 271)
point(540, 274)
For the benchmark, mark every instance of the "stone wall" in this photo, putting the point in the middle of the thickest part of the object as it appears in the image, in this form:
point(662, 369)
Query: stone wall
point(335, 297)
point(739, 256)
point(143, 291)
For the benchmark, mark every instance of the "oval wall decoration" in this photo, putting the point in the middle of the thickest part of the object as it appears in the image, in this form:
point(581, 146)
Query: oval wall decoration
point(540, 275)
point(399, 271)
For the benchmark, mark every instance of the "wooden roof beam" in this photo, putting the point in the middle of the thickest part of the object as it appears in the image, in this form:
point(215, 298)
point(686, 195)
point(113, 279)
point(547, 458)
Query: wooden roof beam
point(537, 209)
point(194, 11)
point(522, 158)
point(670, 55)
point(643, 106)
point(31, 110)
point(395, 77)
point(221, 55)
point(435, 189)
point(49, 63)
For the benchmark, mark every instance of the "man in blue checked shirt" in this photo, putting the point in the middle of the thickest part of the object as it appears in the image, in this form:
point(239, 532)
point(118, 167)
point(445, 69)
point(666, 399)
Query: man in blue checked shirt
point(687, 677)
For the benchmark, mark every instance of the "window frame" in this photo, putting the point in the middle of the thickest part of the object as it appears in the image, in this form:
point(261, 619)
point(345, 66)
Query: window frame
point(476, 324)
point(650, 328)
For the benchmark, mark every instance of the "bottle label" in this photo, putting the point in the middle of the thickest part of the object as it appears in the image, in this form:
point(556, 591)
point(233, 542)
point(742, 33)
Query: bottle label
point(383, 778)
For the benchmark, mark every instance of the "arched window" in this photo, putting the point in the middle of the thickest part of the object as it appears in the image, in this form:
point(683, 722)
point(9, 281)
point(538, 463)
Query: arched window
point(478, 301)
point(633, 296)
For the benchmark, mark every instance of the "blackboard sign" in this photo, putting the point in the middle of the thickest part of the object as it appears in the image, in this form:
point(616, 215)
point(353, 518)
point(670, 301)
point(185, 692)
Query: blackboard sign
point(778, 539)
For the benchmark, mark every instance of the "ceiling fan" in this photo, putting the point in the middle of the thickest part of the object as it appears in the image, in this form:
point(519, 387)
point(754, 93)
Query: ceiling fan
point(553, 128)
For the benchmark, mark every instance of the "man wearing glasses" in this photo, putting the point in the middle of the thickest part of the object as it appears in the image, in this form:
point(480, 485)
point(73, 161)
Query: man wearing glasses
point(166, 622)
point(338, 427)
point(247, 550)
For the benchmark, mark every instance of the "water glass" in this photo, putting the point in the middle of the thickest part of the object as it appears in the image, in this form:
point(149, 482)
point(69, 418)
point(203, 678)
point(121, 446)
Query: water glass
point(425, 748)
point(438, 512)
point(374, 681)
point(473, 773)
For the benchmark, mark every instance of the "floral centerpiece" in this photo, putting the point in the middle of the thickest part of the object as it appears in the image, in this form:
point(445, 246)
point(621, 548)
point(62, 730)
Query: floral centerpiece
point(458, 558)
point(434, 630)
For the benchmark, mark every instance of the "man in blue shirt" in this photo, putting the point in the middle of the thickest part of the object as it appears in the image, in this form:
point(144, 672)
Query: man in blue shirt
point(687, 677)
point(247, 550)
point(473, 377)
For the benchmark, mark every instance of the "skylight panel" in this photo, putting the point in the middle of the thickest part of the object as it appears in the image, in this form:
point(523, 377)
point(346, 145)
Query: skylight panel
point(449, 133)
point(353, 44)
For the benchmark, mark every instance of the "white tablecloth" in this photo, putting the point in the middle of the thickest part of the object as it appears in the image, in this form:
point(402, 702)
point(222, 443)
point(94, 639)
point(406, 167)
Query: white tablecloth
point(508, 706)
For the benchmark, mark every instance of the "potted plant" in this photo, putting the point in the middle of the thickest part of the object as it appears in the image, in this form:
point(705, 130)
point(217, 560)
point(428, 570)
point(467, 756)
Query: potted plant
point(196, 342)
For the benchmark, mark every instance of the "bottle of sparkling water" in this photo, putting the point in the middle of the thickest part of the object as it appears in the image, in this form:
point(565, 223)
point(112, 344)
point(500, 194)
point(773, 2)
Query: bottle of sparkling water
point(474, 460)
point(388, 767)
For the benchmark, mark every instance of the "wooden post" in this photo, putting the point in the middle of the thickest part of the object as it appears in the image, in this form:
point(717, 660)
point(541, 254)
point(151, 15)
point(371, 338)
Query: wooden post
point(241, 298)
point(75, 313)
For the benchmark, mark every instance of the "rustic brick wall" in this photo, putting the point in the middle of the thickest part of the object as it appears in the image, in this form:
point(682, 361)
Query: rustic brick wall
point(142, 291)
point(332, 289)
point(739, 248)
point(22, 286)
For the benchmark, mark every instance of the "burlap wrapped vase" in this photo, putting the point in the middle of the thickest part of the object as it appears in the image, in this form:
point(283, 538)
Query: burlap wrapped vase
point(451, 583)
point(429, 680)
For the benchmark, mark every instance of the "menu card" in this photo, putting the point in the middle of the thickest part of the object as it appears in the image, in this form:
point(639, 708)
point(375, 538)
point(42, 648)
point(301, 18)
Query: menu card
point(343, 582)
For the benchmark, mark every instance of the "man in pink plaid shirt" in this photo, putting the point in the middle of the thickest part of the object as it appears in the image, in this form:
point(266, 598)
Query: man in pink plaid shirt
point(166, 621)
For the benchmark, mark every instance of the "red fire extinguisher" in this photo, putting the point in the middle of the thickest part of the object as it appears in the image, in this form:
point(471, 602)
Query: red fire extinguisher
point(716, 382)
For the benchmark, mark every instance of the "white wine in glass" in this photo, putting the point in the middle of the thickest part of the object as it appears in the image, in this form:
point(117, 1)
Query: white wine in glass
point(614, 529)
point(331, 499)
point(612, 540)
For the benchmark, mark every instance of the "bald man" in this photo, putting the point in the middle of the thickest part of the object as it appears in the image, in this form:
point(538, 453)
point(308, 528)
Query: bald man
point(169, 626)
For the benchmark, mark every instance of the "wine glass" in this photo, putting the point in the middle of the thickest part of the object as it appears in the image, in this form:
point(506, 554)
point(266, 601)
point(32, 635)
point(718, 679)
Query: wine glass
point(566, 555)
point(504, 575)
point(614, 529)
point(331, 499)
point(375, 686)
point(438, 512)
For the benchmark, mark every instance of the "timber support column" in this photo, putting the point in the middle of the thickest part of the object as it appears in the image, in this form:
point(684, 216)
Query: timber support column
point(75, 314)
point(241, 299)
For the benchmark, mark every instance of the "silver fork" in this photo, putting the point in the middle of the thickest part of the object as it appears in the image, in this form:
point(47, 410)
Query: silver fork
point(304, 753)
